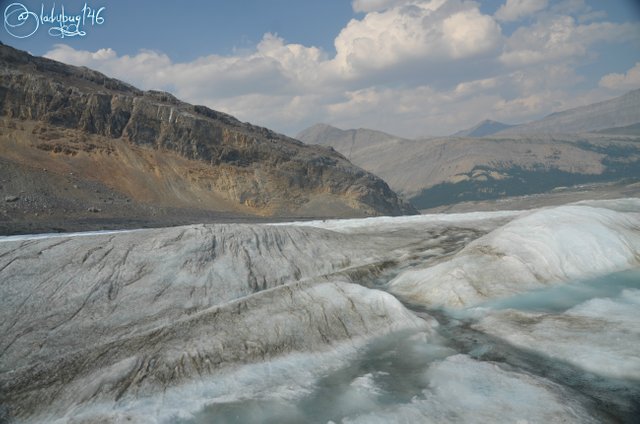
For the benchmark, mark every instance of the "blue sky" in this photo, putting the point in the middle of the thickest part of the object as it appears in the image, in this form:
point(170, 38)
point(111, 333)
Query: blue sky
point(189, 29)
point(408, 67)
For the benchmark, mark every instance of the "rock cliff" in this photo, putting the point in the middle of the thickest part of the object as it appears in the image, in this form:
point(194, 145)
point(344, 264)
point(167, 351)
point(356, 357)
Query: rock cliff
point(66, 118)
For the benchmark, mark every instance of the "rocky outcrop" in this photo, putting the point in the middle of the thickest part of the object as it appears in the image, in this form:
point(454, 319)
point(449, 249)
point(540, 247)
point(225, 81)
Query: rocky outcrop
point(254, 167)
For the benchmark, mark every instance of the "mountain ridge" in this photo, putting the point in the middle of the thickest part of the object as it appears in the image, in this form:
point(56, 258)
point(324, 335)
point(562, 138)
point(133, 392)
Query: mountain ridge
point(347, 142)
point(441, 171)
point(482, 129)
point(67, 118)
point(620, 111)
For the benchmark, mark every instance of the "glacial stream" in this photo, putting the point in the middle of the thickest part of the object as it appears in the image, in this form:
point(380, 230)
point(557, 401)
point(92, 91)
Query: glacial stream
point(464, 374)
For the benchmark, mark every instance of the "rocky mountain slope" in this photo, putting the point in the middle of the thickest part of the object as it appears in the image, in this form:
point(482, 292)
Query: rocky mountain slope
point(347, 142)
point(617, 112)
point(633, 129)
point(70, 133)
point(447, 170)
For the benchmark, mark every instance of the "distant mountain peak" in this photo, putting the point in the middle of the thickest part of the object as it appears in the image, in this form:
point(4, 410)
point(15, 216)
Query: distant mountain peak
point(323, 126)
point(483, 129)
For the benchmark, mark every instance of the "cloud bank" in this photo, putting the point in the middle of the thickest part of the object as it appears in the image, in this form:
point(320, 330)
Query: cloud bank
point(413, 68)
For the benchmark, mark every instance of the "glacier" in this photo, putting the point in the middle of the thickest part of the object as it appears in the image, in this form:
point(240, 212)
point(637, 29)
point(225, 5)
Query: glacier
point(600, 335)
point(535, 249)
point(462, 389)
point(479, 317)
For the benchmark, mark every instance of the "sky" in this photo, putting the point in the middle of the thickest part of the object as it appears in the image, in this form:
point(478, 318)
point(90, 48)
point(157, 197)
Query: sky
point(411, 68)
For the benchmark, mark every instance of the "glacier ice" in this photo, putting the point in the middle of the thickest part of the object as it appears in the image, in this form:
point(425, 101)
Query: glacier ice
point(543, 247)
point(296, 321)
point(376, 224)
point(54, 288)
point(600, 335)
point(120, 316)
point(259, 328)
point(461, 389)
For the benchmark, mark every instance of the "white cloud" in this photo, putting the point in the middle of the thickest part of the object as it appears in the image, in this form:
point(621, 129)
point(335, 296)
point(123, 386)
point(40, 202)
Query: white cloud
point(271, 68)
point(470, 33)
point(134, 69)
point(277, 81)
point(561, 38)
point(531, 105)
point(627, 81)
point(417, 32)
point(367, 6)
point(570, 7)
point(476, 86)
point(411, 112)
point(514, 10)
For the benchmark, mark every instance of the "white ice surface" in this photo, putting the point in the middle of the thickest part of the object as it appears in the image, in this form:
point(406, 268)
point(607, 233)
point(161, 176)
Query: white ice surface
point(112, 285)
point(546, 246)
point(463, 390)
point(624, 309)
point(188, 301)
point(301, 324)
point(281, 380)
point(384, 222)
point(26, 237)
point(600, 335)
point(152, 278)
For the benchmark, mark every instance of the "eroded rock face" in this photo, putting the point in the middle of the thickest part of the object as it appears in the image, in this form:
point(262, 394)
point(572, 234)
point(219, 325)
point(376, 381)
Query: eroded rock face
point(268, 172)
point(128, 315)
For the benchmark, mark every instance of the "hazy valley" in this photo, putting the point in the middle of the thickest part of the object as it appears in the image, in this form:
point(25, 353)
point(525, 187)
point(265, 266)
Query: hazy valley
point(499, 163)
